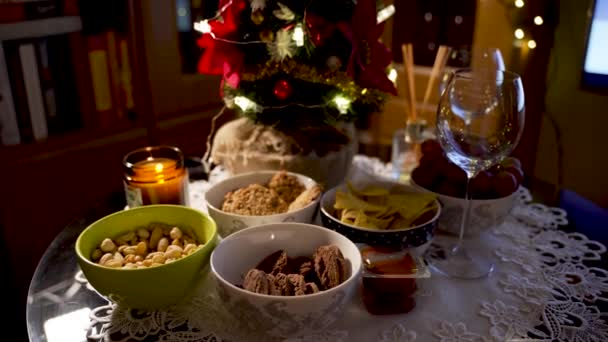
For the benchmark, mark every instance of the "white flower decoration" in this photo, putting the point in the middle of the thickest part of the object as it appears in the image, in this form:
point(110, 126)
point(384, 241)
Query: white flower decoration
point(258, 5)
point(282, 47)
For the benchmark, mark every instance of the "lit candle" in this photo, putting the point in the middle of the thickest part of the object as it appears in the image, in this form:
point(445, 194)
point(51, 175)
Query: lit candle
point(155, 175)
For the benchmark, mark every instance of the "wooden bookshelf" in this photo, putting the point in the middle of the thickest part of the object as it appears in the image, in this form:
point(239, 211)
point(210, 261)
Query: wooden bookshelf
point(40, 28)
point(49, 183)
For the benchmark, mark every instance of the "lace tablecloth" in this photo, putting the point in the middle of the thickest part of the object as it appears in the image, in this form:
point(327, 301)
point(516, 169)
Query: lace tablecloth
point(541, 290)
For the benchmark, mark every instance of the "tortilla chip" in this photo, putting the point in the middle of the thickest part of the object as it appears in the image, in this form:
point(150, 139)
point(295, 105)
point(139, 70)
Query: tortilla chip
point(409, 205)
point(366, 221)
point(370, 191)
point(346, 200)
point(349, 216)
point(390, 211)
point(400, 223)
point(406, 222)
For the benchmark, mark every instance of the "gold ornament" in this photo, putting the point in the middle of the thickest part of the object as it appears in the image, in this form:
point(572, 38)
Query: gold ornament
point(267, 36)
point(257, 17)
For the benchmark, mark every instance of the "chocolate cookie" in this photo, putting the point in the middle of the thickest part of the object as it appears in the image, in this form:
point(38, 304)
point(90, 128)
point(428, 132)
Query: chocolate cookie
point(274, 263)
point(259, 282)
point(330, 266)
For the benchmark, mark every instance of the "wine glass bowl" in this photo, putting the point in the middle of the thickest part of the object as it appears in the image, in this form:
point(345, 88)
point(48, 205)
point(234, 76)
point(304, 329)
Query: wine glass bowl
point(480, 120)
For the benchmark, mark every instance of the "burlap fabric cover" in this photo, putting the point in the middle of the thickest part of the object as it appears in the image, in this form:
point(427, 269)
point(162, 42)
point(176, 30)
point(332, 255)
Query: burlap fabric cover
point(243, 146)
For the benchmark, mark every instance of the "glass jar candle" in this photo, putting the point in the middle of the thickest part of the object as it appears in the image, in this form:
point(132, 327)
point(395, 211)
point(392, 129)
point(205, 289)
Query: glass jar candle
point(155, 175)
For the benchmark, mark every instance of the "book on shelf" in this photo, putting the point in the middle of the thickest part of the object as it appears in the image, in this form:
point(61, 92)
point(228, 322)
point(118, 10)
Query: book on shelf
point(58, 79)
point(46, 81)
point(105, 26)
point(9, 127)
point(35, 101)
point(13, 61)
point(120, 72)
point(126, 76)
point(101, 80)
point(82, 79)
point(70, 8)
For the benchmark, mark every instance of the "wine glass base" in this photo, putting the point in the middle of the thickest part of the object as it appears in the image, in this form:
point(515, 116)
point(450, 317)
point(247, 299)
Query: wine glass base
point(464, 264)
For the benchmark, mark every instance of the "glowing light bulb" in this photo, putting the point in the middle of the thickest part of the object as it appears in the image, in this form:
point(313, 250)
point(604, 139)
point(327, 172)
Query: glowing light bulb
point(538, 20)
point(364, 91)
point(342, 103)
point(246, 104)
point(385, 13)
point(519, 3)
point(298, 35)
point(392, 75)
point(203, 26)
point(519, 33)
point(531, 44)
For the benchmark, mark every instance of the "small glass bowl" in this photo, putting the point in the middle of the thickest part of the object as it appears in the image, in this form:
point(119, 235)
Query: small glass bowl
point(391, 278)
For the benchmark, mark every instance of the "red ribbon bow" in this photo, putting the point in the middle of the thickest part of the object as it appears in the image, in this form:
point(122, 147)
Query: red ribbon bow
point(369, 59)
point(321, 29)
point(219, 57)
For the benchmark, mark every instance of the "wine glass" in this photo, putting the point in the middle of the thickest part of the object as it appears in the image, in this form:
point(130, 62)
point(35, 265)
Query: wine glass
point(479, 122)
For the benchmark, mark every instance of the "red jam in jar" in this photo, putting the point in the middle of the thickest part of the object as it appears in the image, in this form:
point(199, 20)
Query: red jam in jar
point(389, 280)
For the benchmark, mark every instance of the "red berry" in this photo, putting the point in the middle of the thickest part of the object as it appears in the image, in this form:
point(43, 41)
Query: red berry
point(449, 189)
point(517, 172)
point(511, 161)
point(427, 160)
point(495, 169)
point(423, 177)
point(440, 165)
point(504, 184)
point(481, 184)
point(431, 147)
point(456, 175)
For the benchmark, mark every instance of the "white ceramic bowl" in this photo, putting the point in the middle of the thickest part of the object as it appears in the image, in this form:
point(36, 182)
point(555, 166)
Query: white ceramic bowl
point(229, 223)
point(485, 213)
point(282, 316)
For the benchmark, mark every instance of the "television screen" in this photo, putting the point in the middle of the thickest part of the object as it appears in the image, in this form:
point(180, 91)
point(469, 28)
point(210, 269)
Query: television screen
point(595, 71)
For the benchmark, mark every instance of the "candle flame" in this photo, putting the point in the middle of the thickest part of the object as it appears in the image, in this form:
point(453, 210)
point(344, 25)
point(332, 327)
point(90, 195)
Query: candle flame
point(158, 167)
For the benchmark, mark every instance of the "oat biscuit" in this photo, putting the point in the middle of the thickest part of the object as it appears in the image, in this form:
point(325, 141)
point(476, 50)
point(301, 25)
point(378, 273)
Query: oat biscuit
point(254, 200)
point(288, 187)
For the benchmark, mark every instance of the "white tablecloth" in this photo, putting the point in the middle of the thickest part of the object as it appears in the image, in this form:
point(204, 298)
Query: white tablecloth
point(541, 290)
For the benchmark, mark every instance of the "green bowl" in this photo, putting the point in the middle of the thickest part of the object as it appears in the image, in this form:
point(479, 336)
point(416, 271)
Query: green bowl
point(154, 287)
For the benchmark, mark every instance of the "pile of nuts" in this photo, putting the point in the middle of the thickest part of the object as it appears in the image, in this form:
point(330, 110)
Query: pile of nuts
point(154, 245)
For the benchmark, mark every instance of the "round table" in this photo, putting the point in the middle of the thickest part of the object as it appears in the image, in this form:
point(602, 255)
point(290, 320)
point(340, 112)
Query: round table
point(542, 290)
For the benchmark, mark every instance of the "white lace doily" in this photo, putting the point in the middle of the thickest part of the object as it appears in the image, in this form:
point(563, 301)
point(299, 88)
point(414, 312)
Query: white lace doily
point(541, 290)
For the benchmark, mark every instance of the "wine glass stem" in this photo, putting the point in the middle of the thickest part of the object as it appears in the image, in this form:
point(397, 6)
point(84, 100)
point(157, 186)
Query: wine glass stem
point(464, 222)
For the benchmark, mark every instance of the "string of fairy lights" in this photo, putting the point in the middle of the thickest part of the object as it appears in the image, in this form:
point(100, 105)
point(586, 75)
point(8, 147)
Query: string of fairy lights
point(341, 102)
point(520, 33)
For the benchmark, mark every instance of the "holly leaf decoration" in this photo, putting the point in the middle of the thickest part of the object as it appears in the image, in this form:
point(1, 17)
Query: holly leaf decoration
point(284, 13)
